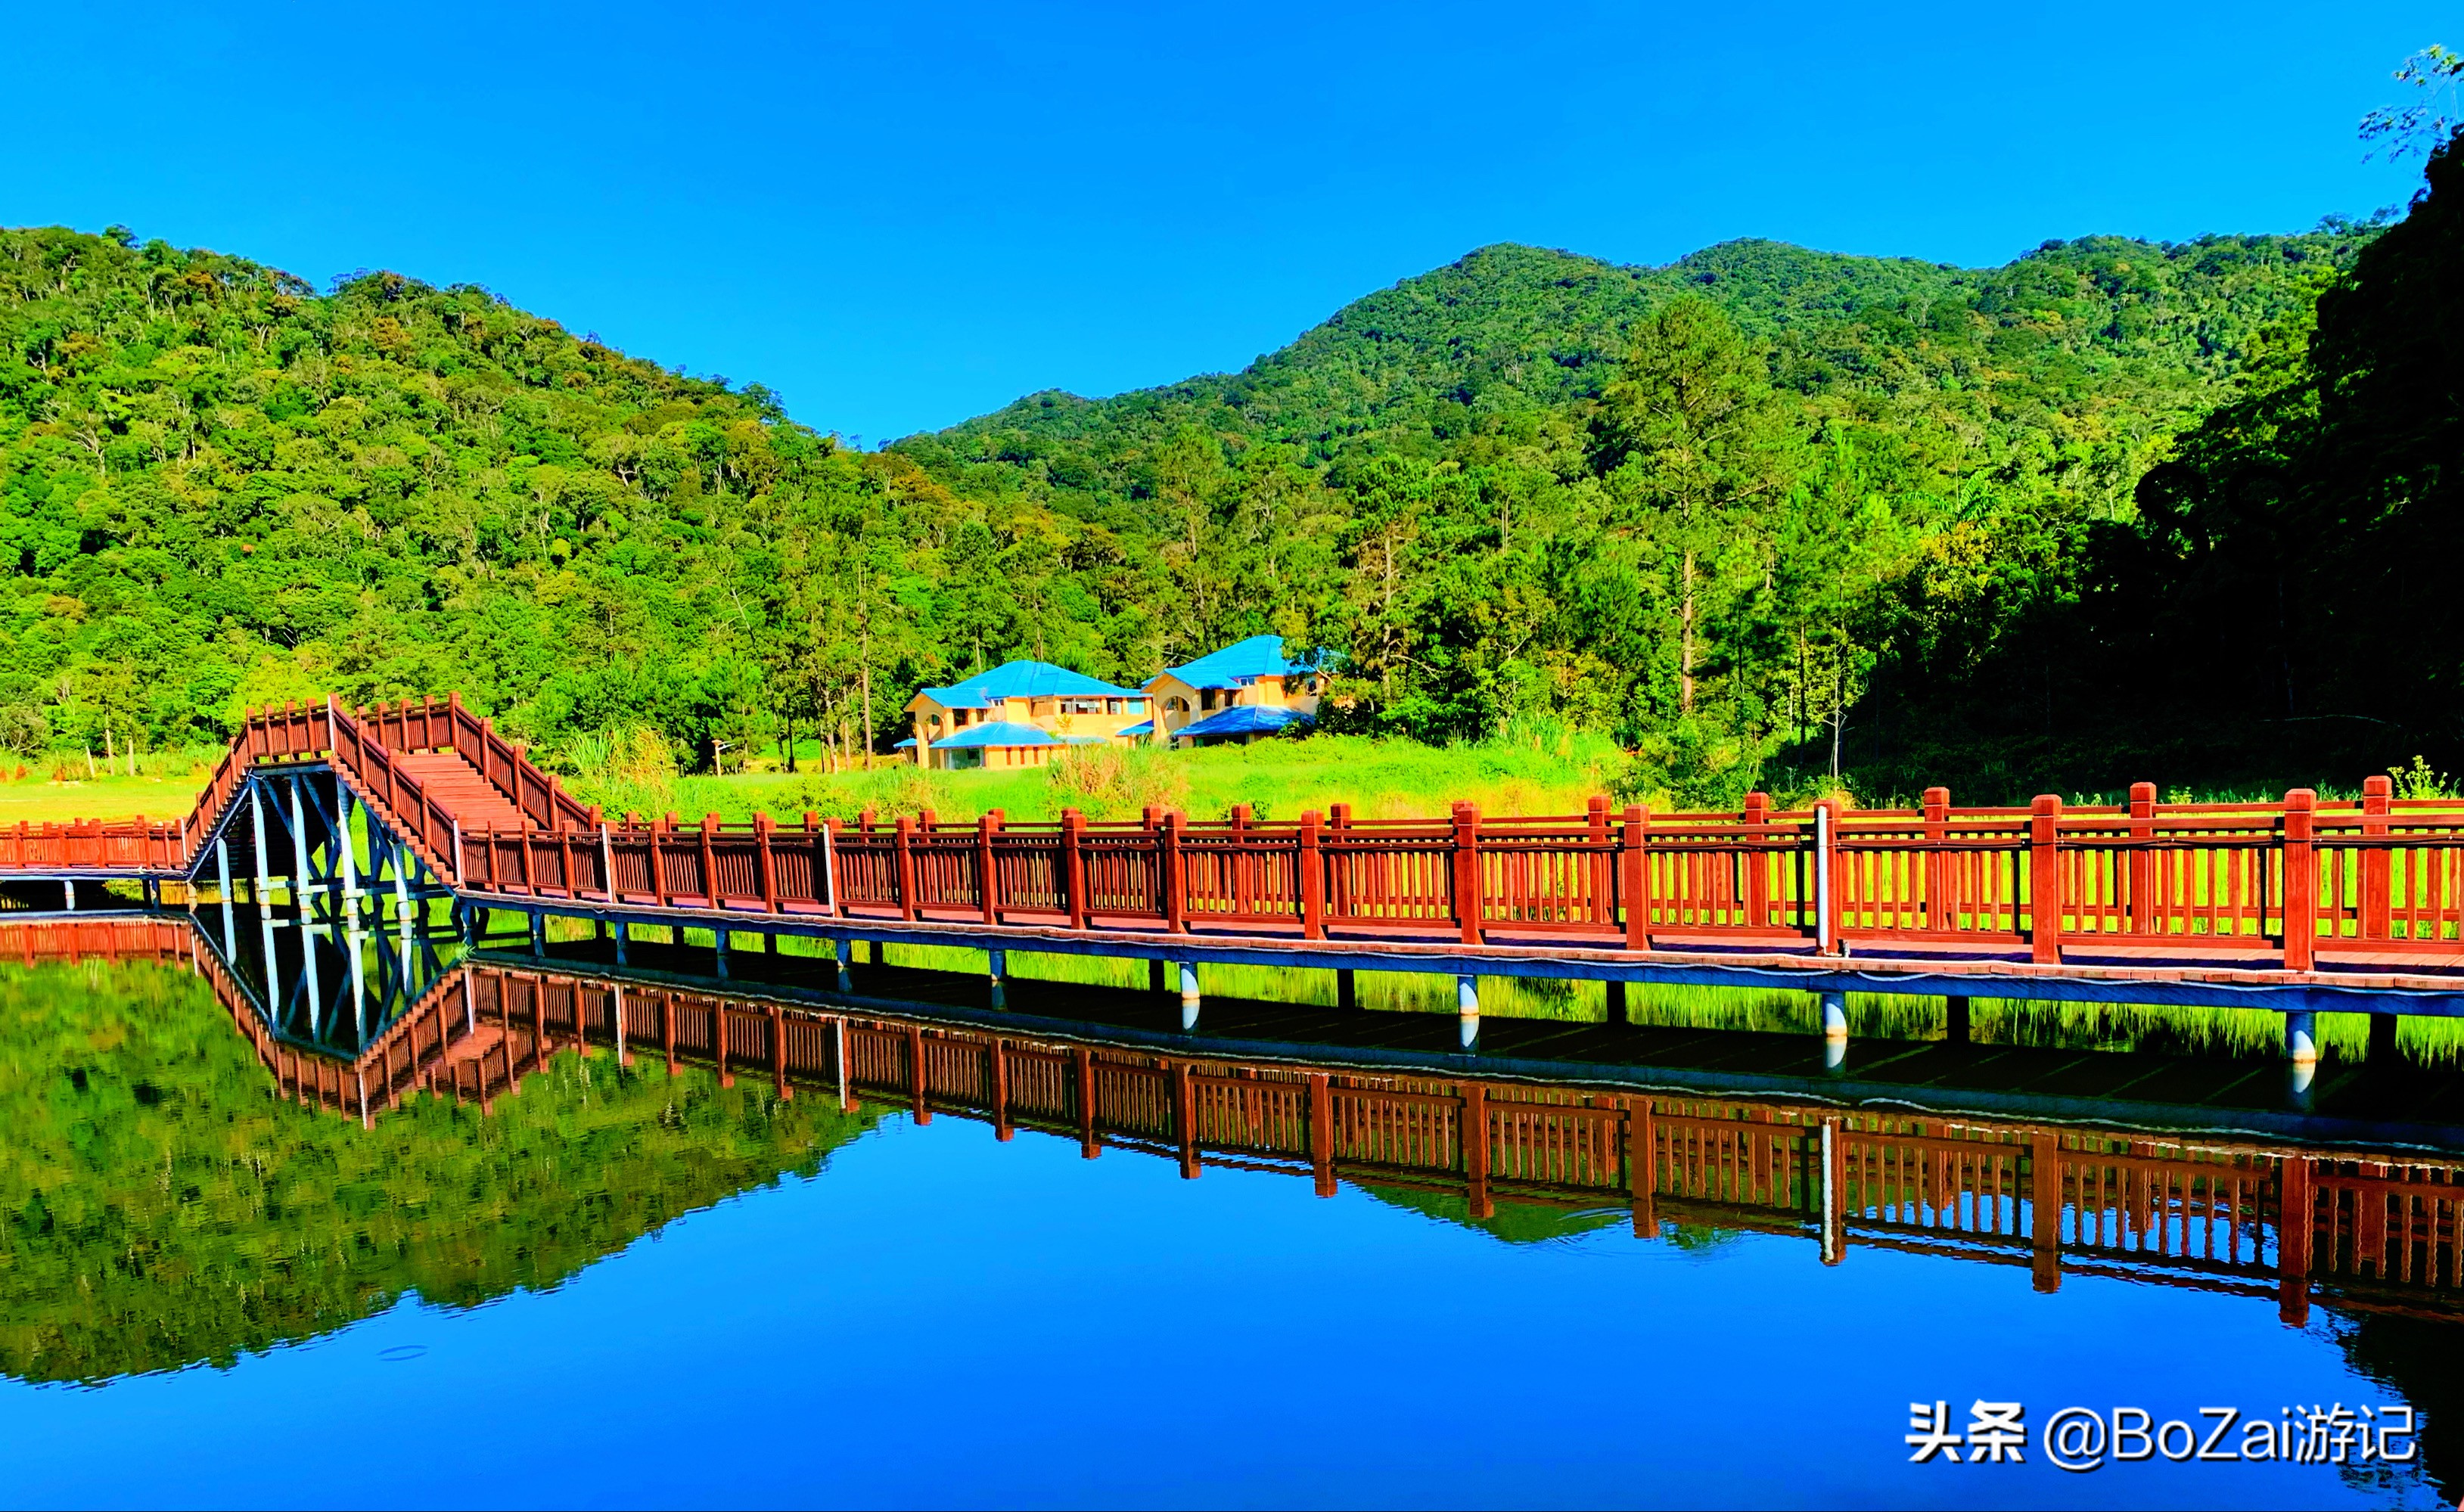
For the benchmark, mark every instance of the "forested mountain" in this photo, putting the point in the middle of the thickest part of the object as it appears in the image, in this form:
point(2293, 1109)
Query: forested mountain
point(1708, 507)
point(1486, 486)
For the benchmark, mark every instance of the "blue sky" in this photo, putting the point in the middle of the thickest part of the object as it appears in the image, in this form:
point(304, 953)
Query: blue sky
point(901, 216)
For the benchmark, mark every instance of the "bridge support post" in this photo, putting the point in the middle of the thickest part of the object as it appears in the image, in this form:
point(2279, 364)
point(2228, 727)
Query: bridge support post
point(624, 933)
point(68, 886)
point(995, 969)
point(256, 819)
point(299, 854)
point(1616, 1002)
point(1835, 1030)
point(2301, 1036)
point(1189, 998)
point(539, 934)
point(845, 951)
point(1955, 1020)
point(718, 949)
point(223, 884)
point(1346, 988)
point(1467, 1010)
point(2384, 1054)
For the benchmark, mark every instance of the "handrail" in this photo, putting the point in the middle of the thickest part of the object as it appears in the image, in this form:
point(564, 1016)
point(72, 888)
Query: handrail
point(2206, 879)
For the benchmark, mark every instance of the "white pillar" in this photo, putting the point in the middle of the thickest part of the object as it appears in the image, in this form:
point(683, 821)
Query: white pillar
point(1835, 1015)
point(995, 970)
point(1467, 1008)
point(2301, 1037)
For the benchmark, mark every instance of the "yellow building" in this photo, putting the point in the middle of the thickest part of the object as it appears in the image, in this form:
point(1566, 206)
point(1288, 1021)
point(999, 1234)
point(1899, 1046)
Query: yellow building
point(1019, 714)
point(1245, 692)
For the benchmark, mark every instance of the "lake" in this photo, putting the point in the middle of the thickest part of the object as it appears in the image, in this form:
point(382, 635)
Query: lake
point(581, 1274)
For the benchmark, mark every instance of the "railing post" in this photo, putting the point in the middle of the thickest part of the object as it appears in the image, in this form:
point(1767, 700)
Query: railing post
point(1175, 878)
point(2296, 1228)
point(1634, 876)
point(1826, 878)
point(904, 839)
point(1937, 866)
point(1073, 866)
point(768, 865)
point(2045, 880)
point(1600, 888)
point(1466, 871)
point(1309, 859)
point(988, 872)
point(2045, 1211)
point(2378, 802)
point(1471, 1133)
point(709, 869)
point(1756, 860)
point(2143, 858)
point(2301, 881)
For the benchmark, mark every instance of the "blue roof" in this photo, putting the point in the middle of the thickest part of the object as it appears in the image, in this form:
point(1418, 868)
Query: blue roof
point(1245, 661)
point(998, 732)
point(1144, 727)
point(1022, 680)
point(1246, 720)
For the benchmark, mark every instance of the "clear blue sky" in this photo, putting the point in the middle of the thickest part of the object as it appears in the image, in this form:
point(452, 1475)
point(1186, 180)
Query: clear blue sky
point(900, 216)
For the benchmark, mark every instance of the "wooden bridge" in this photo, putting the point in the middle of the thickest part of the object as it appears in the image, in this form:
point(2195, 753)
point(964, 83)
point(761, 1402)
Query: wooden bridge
point(2297, 905)
point(2362, 1230)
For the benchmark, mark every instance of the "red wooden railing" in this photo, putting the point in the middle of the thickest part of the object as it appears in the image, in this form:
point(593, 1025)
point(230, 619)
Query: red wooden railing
point(2245, 882)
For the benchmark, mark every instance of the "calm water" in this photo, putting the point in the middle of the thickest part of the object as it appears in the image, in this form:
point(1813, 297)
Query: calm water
point(625, 1288)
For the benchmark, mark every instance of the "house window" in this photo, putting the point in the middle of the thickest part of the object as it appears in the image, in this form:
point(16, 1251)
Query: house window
point(1206, 698)
point(959, 717)
point(1176, 706)
point(934, 720)
point(1111, 706)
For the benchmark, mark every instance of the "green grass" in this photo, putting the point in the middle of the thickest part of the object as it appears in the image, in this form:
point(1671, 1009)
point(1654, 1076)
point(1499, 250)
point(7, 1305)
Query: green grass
point(1534, 770)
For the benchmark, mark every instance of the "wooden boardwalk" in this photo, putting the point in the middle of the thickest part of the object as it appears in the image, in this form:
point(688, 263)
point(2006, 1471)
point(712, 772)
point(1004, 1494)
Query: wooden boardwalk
point(2298, 905)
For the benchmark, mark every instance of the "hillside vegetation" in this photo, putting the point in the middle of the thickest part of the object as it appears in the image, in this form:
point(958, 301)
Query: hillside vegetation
point(1726, 512)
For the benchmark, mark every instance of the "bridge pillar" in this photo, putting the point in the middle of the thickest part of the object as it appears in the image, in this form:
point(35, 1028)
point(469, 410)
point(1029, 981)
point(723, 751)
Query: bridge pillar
point(68, 887)
point(1616, 1002)
point(995, 969)
point(539, 934)
point(844, 953)
point(1955, 1018)
point(1467, 1010)
point(223, 884)
point(1346, 988)
point(1189, 998)
point(624, 933)
point(2301, 1036)
point(2384, 1054)
point(718, 950)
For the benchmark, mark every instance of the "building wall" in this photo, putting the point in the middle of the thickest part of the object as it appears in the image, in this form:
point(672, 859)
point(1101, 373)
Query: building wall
point(1060, 717)
point(1299, 691)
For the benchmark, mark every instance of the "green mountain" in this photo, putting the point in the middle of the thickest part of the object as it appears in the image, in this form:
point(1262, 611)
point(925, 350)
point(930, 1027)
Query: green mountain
point(1710, 508)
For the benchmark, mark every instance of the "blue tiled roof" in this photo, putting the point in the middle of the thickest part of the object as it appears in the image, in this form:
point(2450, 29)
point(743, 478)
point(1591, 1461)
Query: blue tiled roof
point(1245, 720)
point(998, 732)
point(1022, 680)
point(1144, 727)
point(1243, 662)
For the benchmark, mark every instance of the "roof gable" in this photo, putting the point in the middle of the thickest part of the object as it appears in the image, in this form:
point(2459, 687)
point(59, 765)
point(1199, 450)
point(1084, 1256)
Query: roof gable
point(1022, 680)
point(1243, 662)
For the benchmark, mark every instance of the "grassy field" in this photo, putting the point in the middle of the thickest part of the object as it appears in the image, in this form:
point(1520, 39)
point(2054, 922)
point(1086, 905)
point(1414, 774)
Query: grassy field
point(159, 795)
point(1530, 771)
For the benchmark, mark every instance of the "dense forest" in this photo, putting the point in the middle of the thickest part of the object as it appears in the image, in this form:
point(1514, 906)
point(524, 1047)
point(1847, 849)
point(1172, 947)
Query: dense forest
point(1765, 515)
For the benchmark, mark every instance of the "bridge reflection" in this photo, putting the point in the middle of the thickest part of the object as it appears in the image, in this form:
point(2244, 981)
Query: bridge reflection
point(2363, 1228)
